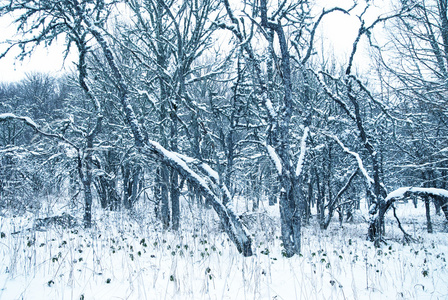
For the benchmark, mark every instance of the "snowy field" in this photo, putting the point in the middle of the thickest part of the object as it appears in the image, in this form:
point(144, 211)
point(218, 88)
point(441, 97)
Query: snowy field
point(126, 257)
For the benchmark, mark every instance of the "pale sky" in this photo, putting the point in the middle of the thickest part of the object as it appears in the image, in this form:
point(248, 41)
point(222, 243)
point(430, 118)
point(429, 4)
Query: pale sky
point(337, 31)
point(47, 60)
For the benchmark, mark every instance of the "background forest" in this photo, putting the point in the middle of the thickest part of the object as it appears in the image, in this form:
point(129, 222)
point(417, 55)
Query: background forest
point(176, 109)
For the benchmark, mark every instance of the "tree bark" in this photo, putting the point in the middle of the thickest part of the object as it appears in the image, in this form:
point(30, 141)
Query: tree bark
point(289, 203)
point(428, 214)
point(161, 195)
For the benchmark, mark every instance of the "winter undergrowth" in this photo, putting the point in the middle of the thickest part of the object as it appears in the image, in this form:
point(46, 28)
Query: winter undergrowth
point(129, 256)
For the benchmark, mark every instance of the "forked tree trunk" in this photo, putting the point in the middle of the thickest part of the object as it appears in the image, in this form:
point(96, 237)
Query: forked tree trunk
point(289, 194)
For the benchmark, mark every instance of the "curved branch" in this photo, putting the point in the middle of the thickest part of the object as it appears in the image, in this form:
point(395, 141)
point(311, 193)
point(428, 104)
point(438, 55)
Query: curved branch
point(29, 122)
point(313, 31)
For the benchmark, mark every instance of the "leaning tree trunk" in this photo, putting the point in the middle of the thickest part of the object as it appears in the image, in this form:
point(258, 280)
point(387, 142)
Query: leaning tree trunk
point(230, 221)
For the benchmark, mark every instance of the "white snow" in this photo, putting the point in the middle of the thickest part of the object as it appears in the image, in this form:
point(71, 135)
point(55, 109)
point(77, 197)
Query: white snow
point(186, 158)
point(175, 158)
point(122, 258)
point(6, 116)
point(302, 152)
point(273, 155)
point(399, 193)
point(212, 173)
point(148, 96)
point(369, 179)
point(30, 122)
point(269, 107)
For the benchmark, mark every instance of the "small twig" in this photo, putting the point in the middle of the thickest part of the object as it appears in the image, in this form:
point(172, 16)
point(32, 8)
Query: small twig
point(407, 237)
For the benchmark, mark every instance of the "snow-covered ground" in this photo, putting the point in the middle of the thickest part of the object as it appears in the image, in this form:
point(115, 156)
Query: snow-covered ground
point(126, 257)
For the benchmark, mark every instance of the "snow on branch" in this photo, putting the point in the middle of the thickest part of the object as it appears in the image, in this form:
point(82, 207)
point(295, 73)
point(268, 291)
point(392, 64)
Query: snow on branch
point(225, 211)
point(357, 157)
point(214, 176)
point(333, 96)
point(407, 191)
point(269, 107)
point(172, 157)
point(211, 173)
point(302, 151)
point(275, 159)
point(27, 120)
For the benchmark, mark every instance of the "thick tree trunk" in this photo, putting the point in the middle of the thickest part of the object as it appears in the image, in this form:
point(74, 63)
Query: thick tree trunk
point(174, 177)
point(175, 197)
point(376, 224)
point(87, 203)
point(289, 208)
point(428, 214)
point(290, 216)
point(161, 195)
point(86, 179)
